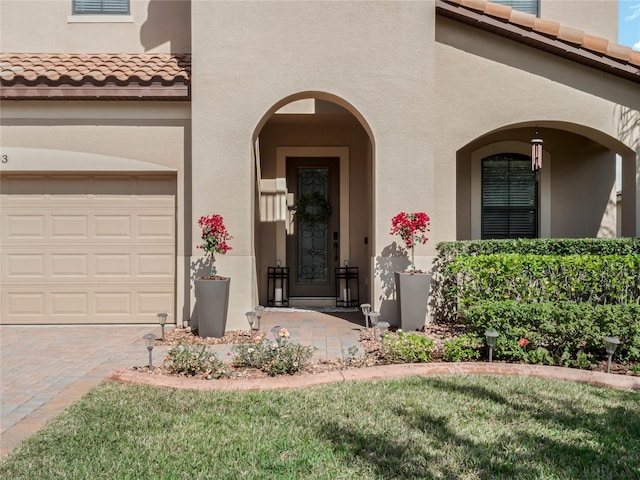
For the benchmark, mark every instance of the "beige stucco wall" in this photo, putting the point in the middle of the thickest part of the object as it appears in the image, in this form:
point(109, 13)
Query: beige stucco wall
point(377, 56)
point(597, 17)
point(153, 26)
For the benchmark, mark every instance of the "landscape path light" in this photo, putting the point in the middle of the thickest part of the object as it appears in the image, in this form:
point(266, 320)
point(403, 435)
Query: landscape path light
point(162, 320)
point(259, 312)
point(492, 340)
point(610, 345)
point(374, 317)
point(251, 318)
point(150, 340)
point(276, 333)
point(384, 326)
point(366, 309)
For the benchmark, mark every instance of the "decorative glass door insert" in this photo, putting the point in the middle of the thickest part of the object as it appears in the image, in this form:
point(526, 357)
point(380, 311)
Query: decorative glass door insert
point(313, 235)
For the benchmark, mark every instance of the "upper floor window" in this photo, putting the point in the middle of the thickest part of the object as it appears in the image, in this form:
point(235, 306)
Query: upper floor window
point(528, 6)
point(509, 197)
point(101, 7)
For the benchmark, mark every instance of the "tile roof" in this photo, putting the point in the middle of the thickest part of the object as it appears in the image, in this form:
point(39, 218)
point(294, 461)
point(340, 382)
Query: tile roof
point(37, 75)
point(546, 35)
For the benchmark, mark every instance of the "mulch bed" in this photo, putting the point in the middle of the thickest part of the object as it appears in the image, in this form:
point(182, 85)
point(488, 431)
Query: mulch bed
point(370, 345)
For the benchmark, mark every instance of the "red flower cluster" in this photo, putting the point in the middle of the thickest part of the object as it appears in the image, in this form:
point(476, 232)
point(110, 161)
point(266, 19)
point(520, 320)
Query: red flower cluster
point(523, 342)
point(411, 227)
point(214, 235)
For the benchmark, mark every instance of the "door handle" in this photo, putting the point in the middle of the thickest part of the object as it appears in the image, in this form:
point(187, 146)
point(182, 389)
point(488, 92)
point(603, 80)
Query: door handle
point(335, 251)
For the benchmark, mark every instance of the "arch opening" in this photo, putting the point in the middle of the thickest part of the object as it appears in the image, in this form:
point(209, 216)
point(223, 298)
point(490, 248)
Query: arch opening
point(585, 176)
point(310, 146)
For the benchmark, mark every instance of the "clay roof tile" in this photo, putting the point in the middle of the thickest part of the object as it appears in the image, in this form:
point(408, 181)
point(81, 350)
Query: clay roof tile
point(498, 10)
point(619, 51)
point(522, 18)
point(571, 35)
point(595, 44)
point(546, 27)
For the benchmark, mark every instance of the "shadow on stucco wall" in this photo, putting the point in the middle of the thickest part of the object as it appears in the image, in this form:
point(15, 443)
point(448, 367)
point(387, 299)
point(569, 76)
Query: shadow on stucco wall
point(168, 21)
point(628, 126)
point(393, 258)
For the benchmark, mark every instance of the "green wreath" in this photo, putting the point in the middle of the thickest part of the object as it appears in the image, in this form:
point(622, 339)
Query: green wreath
point(312, 209)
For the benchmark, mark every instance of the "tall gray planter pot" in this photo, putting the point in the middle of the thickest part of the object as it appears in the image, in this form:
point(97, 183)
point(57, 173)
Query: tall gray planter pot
point(212, 302)
point(412, 294)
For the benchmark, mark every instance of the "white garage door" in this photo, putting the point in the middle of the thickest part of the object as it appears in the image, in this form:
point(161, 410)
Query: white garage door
point(87, 248)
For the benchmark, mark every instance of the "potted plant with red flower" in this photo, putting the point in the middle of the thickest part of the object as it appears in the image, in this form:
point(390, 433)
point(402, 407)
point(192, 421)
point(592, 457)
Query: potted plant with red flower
point(212, 291)
point(412, 285)
point(214, 239)
point(412, 228)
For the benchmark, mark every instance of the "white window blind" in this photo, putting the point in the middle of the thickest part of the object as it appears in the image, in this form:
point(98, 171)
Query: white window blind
point(529, 6)
point(101, 7)
point(509, 197)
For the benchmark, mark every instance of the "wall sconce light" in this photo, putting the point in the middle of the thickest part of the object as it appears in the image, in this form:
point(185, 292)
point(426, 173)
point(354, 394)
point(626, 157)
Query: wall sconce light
point(492, 340)
point(150, 340)
point(610, 345)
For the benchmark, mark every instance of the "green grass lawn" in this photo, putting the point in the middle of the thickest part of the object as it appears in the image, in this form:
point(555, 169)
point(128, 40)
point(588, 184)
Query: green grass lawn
point(450, 427)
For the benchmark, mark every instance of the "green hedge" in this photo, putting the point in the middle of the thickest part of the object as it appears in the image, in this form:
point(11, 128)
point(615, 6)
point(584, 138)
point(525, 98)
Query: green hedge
point(443, 289)
point(538, 246)
point(599, 280)
point(558, 333)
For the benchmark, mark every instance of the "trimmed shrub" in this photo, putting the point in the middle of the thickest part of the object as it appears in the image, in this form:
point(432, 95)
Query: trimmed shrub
point(443, 287)
point(601, 280)
point(569, 332)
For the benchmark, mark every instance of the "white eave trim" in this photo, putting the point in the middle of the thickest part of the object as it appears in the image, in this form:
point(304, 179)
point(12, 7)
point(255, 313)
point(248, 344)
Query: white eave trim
point(18, 159)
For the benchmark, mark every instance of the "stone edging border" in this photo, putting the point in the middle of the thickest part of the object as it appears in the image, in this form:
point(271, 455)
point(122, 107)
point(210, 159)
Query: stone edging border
point(381, 372)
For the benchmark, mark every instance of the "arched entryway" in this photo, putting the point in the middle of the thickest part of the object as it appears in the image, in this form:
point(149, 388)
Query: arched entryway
point(578, 191)
point(313, 154)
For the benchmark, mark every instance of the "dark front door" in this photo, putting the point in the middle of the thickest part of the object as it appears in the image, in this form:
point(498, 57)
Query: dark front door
point(313, 246)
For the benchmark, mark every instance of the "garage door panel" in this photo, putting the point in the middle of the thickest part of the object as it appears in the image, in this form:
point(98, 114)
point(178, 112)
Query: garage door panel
point(108, 226)
point(113, 303)
point(24, 305)
point(69, 265)
point(24, 266)
point(64, 304)
point(69, 226)
point(154, 265)
point(112, 265)
point(152, 302)
point(154, 226)
point(100, 250)
point(25, 226)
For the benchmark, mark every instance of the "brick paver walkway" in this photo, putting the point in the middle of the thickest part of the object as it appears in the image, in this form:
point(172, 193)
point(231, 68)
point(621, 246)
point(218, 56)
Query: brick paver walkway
point(43, 369)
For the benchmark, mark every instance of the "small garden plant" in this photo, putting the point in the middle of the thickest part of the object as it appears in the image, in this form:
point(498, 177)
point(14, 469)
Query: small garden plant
point(463, 348)
point(191, 360)
point(280, 357)
point(407, 347)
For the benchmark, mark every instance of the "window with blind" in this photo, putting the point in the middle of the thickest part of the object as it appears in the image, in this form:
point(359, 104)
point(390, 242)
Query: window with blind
point(101, 7)
point(529, 6)
point(509, 197)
